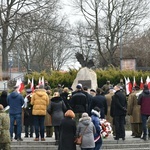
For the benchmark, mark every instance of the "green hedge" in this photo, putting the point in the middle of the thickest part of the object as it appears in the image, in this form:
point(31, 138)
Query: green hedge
point(66, 78)
point(54, 78)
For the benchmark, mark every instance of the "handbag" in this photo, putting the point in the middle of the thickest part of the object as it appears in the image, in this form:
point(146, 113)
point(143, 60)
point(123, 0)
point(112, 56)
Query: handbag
point(78, 140)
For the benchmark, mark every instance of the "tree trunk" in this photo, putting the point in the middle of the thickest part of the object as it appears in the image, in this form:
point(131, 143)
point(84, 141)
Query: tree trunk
point(4, 62)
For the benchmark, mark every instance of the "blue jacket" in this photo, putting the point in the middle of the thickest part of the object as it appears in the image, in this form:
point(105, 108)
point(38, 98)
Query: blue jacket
point(96, 121)
point(15, 101)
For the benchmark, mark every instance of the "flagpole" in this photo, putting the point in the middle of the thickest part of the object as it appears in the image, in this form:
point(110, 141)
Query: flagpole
point(120, 16)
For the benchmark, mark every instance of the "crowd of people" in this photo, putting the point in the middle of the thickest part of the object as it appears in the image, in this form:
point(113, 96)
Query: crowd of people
point(73, 113)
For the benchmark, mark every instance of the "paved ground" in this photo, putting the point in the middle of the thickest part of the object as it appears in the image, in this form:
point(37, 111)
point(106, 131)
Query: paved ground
point(128, 137)
point(109, 143)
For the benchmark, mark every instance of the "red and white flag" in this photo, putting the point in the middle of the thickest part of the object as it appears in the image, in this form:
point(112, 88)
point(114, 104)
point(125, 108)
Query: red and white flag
point(20, 85)
point(32, 85)
point(134, 82)
point(148, 81)
point(29, 82)
point(21, 88)
point(42, 82)
point(39, 81)
point(17, 82)
point(141, 84)
point(128, 85)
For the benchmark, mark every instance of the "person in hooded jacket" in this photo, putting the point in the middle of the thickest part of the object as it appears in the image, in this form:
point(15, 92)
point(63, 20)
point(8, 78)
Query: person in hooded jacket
point(95, 115)
point(67, 132)
point(15, 101)
point(40, 101)
point(144, 101)
point(87, 129)
point(56, 109)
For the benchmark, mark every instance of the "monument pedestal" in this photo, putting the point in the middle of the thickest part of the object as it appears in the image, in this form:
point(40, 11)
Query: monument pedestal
point(87, 77)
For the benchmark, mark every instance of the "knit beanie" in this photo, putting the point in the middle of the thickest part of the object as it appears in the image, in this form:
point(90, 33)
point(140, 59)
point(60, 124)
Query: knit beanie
point(85, 115)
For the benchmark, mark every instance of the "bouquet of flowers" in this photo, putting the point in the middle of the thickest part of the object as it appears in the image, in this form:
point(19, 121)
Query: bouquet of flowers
point(106, 128)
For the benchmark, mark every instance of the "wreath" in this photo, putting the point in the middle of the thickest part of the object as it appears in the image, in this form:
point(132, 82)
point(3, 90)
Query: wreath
point(106, 128)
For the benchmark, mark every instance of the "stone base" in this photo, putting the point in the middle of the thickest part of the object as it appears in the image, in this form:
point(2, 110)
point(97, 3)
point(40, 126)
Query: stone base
point(88, 76)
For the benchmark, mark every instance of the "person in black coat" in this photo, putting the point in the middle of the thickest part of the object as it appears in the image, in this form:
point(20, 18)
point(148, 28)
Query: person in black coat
point(3, 99)
point(28, 117)
point(100, 101)
point(56, 109)
point(118, 112)
point(65, 97)
point(67, 132)
point(78, 102)
point(89, 99)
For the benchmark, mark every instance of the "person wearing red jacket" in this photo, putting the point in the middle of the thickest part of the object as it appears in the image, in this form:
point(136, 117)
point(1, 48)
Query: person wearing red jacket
point(144, 101)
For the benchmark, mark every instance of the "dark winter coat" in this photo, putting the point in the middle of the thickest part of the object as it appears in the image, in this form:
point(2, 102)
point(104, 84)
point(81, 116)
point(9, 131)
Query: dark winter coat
point(89, 100)
point(100, 101)
point(15, 101)
point(67, 134)
point(56, 109)
point(3, 99)
point(118, 104)
point(79, 102)
point(64, 96)
point(28, 117)
point(144, 101)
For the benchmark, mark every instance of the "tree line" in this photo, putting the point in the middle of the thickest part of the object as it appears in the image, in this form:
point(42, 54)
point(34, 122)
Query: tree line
point(35, 36)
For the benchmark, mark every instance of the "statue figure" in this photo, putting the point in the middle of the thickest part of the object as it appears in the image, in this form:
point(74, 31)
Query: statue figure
point(84, 62)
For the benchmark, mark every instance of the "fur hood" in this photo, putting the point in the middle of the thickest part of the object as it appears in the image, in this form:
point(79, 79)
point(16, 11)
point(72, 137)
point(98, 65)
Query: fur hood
point(94, 112)
point(84, 119)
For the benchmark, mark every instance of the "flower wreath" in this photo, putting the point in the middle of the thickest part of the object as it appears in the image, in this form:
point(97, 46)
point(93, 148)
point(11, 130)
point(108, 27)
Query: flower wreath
point(106, 128)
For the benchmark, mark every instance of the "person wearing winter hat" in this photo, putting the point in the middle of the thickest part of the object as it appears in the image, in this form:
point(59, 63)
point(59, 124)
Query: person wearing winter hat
point(56, 109)
point(79, 102)
point(87, 129)
point(95, 115)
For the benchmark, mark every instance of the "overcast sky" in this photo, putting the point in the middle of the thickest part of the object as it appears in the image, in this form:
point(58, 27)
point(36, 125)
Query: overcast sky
point(72, 17)
point(69, 11)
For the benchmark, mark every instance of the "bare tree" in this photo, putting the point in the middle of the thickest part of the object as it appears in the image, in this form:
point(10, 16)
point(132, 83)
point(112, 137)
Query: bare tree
point(46, 47)
point(13, 15)
point(110, 21)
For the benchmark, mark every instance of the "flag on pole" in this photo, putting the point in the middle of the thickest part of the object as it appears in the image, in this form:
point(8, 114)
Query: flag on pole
point(128, 86)
point(21, 88)
point(32, 85)
point(148, 81)
point(20, 85)
point(29, 81)
point(39, 81)
point(134, 82)
point(42, 82)
point(17, 82)
point(141, 84)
